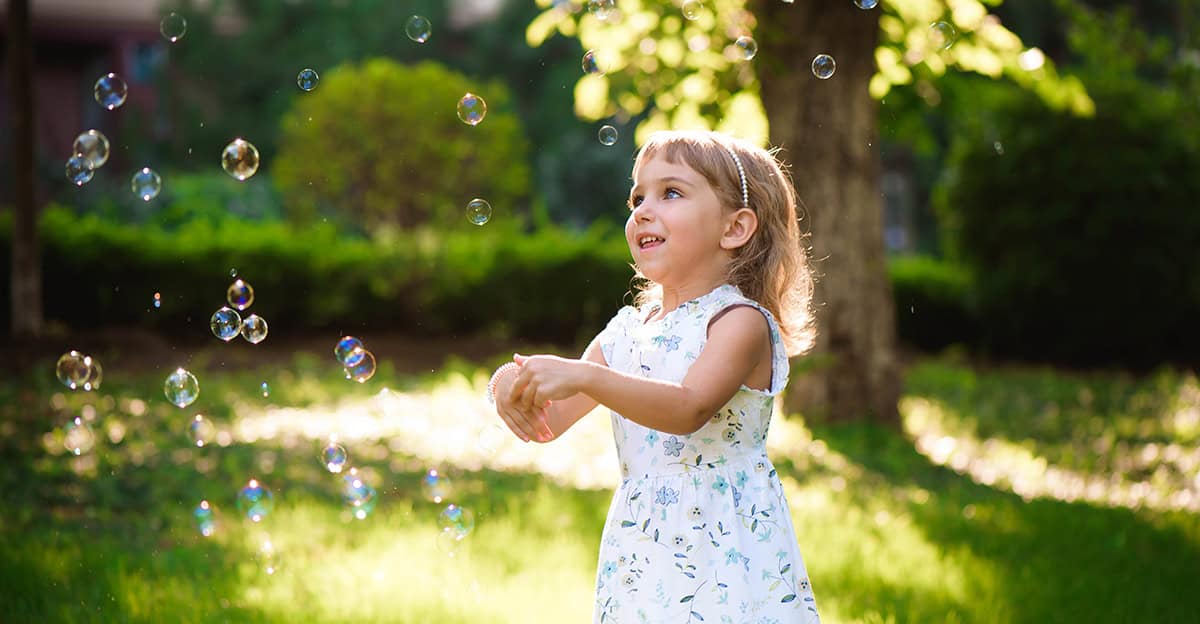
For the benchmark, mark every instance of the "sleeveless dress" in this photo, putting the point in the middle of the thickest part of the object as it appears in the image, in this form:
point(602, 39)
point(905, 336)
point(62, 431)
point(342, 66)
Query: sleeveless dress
point(699, 530)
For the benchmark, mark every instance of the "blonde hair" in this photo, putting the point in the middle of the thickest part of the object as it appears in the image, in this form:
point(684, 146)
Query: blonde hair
point(772, 268)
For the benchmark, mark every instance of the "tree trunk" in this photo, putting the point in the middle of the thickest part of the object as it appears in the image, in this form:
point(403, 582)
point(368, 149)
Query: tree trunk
point(829, 132)
point(26, 253)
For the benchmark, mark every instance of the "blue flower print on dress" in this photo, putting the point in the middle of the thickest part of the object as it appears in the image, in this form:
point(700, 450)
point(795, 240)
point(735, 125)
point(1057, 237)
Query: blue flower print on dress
point(671, 343)
point(610, 568)
point(740, 480)
point(666, 496)
point(720, 484)
point(673, 446)
point(652, 437)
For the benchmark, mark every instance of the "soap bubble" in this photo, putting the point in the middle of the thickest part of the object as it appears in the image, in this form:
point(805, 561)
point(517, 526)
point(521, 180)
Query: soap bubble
point(72, 369)
point(418, 28)
point(226, 324)
point(363, 368)
point(93, 146)
point(457, 520)
point(181, 388)
point(110, 91)
point(266, 390)
point(359, 496)
point(254, 329)
point(823, 66)
point(334, 457)
point(345, 350)
point(146, 184)
point(240, 159)
point(267, 557)
point(240, 294)
point(206, 518)
point(692, 9)
point(307, 79)
point(942, 35)
point(450, 542)
point(591, 63)
point(95, 375)
point(607, 135)
point(79, 170)
point(472, 109)
point(201, 430)
point(255, 501)
point(78, 437)
point(747, 47)
point(866, 4)
point(435, 486)
point(479, 211)
point(491, 437)
point(173, 27)
point(157, 301)
point(602, 9)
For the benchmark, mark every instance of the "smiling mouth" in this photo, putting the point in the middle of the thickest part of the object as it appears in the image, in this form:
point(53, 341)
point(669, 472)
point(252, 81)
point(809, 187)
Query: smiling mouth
point(648, 242)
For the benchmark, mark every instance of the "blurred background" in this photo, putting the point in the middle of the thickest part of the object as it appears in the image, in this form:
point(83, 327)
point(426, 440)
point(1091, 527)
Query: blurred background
point(1000, 420)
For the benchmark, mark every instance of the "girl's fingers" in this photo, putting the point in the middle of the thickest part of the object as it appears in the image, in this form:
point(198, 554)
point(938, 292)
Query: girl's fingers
point(525, 424)
point(512, 425)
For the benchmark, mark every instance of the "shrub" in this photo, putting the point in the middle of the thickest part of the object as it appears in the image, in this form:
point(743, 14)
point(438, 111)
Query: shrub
point(382, 142)
point(932, 308)
point(1083, 236)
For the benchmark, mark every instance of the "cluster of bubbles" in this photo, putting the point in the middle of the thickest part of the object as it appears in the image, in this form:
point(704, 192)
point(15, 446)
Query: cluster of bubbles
point(89, 154)
point(78, 371)
point(356, 360)
point(226, 323)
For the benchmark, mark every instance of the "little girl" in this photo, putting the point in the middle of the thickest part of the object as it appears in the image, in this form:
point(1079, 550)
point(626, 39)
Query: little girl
point(699, 529)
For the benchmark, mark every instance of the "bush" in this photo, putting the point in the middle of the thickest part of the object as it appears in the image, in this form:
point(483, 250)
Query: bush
point(932, 308)
point(550, 285)
point(1082, 236)
point(382, 142)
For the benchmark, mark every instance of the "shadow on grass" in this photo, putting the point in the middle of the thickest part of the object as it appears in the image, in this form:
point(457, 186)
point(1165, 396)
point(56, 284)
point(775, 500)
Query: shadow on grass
point(1049, 560)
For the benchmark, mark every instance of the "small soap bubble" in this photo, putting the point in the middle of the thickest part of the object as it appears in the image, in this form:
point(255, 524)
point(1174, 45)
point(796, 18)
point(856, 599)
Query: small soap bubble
point(72, 369)
point(95, 375)
point(268, 557)
point(999, 147)
point(692, 9)
point(823, 66)
point(240, 159)
point(450, 542)
point(359, 496)
point(472, 109)
point(418, 28)
point(746, 46)
point(266, 390)
point(173, 27)
point(479, 211)
point(226, 324)
point(602, 9)
point(334, 457)
point(201, 430)
point(490, 438)
point(93, 146)
point(607, 135)
point(591, 63)
point(110, 91)
point(206, 518)
point(254, 329)
point(157, 300)
point(146, 184)
point(345, 348)
point(942, 35)
point(240, 294)
point(307, 79)
point(435, 486)
point(866, 4)
point(233, 272)
point(78, 437)
point(255, 501)
point(79, 170)
point(181, 388)
point(363, 369)
point(457, 520)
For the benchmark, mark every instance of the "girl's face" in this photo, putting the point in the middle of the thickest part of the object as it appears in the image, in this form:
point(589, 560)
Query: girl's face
point(675, 224)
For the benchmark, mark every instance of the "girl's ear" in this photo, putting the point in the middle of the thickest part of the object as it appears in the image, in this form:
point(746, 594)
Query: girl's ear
point(739, 227)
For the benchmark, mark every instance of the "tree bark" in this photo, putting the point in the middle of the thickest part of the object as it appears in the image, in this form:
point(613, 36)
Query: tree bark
point(829, 132)
point(26, 282)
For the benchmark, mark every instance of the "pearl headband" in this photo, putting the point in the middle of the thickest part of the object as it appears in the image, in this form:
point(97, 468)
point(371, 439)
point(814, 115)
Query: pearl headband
point(741, 176)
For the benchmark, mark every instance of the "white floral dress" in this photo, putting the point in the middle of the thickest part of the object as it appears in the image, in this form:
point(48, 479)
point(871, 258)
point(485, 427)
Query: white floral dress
point(699, 530)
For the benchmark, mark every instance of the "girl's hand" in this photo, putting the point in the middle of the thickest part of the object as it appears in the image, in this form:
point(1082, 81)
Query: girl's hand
point(545, 378)
point(526, 423)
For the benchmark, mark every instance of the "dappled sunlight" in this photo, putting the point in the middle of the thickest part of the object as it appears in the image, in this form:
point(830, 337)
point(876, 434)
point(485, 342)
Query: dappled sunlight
point(449, 424)
point(1154, 475)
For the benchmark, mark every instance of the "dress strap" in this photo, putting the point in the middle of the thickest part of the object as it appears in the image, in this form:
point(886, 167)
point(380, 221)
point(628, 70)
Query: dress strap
point(731, 297)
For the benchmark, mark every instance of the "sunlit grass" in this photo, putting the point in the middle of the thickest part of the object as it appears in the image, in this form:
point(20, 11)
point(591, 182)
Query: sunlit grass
point(890, 530)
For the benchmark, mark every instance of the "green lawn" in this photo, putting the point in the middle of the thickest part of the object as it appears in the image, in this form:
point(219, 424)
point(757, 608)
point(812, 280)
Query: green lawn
point(1010, 496)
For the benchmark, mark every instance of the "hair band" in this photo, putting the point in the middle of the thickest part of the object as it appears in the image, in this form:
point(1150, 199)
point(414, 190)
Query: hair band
point(741, 176)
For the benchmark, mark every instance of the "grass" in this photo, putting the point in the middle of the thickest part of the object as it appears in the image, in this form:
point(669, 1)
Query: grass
point(1020, 495)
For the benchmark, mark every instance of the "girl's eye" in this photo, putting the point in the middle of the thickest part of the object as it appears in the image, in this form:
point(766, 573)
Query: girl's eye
point(635, 201)
point(671, 193)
